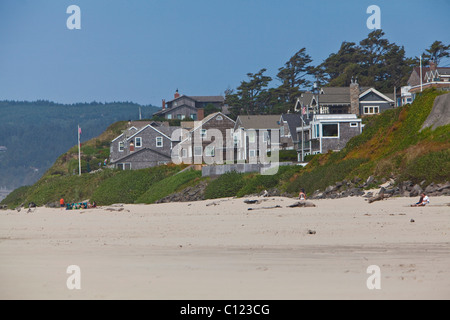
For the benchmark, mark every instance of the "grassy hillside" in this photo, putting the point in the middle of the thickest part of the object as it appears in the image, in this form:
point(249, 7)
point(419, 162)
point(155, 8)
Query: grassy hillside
point(391, 146)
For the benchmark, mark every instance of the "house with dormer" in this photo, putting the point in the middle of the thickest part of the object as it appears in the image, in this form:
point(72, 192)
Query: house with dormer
point(346, 100)
point(143, 145)
point(193, 107)
point(432, 77)
point(209, 141)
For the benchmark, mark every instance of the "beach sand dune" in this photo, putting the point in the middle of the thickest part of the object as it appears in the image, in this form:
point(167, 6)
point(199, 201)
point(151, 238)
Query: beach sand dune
point(218, 249)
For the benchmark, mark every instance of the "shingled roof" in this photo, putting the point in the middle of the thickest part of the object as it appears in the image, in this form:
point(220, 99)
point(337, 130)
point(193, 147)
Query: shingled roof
point(260, 121)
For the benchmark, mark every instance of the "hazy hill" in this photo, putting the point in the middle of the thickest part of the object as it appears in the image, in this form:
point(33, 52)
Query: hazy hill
point(36, 133)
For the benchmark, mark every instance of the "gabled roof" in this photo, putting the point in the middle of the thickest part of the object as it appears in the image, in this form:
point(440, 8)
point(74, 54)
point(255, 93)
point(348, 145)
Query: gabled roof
point(378, 93)
point(209, 117)
point(165, 131)
point(259, 121)
point(293, 120)
point(200, 98)
point(140, 151)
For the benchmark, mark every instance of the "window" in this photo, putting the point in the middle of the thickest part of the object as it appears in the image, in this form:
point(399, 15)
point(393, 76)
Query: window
point(316, 131)
point(183, 117)
point(198, 151)
point(159, 142)
point(203, 133)
point(124, 166)
point(252, 136)
point(265, 136)
point(121, 146)
point(209, 151)
point(219, 118)
point(179, 116)
point(193, 116)
point(282, 131)
point(330, 130)
point(353, 124)
point(184, 153)
point(252, 153)
point(371, 110)
point(138, 142)
point(236, 139)
point(169, 116)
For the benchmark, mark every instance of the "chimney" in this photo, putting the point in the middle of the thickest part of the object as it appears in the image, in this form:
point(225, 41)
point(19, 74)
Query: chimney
point(164, 104)
point(176, 95)
point(432, 65)
point(200, 114)
point(354, 97)
point(131, 146)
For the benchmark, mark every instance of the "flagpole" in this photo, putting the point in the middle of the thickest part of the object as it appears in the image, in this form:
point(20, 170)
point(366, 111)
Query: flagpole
point(79, 152)
point(421, 74)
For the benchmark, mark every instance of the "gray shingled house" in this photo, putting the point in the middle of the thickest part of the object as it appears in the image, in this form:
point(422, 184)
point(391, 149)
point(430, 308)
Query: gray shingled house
point(209, 141)
point(182, 106)
point(347, 100)
point(289, 122)
point(250, 131)
point(142, 145)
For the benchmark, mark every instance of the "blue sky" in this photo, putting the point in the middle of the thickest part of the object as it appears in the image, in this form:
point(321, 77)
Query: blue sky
point(142, 51)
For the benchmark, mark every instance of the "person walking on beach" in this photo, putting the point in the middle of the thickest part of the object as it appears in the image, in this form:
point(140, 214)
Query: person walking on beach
point(61, 203)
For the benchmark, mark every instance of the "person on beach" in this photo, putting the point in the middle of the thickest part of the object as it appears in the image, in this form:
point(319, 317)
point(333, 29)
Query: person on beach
point(423, 201)
point(302, 194)
point(61, 203)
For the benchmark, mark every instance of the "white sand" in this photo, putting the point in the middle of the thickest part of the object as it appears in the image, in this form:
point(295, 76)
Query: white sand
point(224, 251)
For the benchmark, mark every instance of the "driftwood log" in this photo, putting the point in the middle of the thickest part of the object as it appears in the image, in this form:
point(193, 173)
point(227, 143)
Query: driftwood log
point(302, 204)
point(379, 197)
point(273, 207)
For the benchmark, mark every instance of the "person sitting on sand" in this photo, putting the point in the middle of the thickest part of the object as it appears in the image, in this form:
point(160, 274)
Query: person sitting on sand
point(302, 195)
point(423, 201)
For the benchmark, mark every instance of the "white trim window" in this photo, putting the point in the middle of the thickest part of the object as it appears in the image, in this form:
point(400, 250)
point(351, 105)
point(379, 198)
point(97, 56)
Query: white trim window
point(354, 124)
point(251, 136)
point(266, 136)
point(159, 142)
point(210, 151)
point(138, 142)
point(203, 133)
point(124, 166)
point(219, 118)
point(121, 146)
point(198, 151)
point(184, 153)
point(371, 109)
point(252, 153)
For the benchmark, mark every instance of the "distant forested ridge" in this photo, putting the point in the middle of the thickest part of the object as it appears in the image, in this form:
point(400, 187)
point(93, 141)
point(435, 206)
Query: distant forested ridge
point(36, 133)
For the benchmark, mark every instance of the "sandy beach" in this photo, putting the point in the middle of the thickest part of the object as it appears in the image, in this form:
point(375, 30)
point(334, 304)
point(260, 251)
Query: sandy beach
point(218, 249)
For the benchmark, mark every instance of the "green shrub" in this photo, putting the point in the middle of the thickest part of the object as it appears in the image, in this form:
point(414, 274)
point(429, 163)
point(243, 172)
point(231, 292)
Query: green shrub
point(127, 186)
point(431, 167)
point(227, 185)
point(168, 186)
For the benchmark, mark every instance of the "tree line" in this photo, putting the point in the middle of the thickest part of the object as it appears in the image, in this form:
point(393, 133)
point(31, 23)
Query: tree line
point(375, 62)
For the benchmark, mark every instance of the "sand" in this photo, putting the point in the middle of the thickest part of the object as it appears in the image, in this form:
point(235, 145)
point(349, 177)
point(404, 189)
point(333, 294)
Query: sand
point(217, 249)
